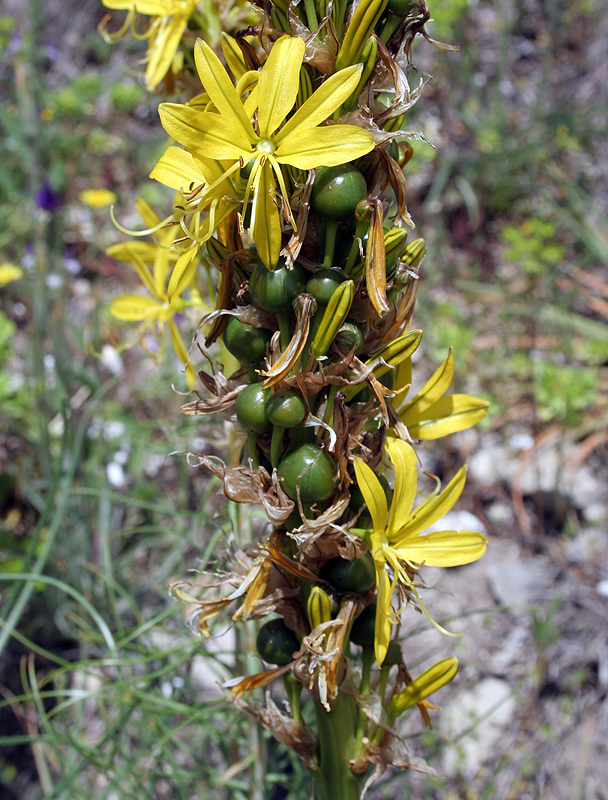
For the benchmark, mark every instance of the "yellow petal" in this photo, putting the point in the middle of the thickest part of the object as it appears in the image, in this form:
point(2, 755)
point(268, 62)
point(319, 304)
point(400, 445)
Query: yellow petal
point(372, 492)
point(183, 273)
point(233, 55)
point(322, 104)
point(182, 353)
point(457, 412)
point(431, 510)
point(199, 131)
point(177, 169)
point(443, 548)
point(155, 8)
point(9, 272)
point(97, 198)
point(434, 388)
point(307, 148)
point(279, 82)
point(384, 595)
point(406, 481)
point(134, 308)
point(266, 221)
point(146, 212)
point(163, 49)
point(219, 87)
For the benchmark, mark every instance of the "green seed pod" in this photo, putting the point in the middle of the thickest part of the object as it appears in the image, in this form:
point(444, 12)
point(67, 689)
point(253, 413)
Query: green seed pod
point(313, 470)
point(276, 643)
point(337, 191)
point(251, 408)
point(318, 607)
point(358, 575)
point(275, 291)
point(324, 283)
point(363, 631)
point(285, 409)
point(245, 342)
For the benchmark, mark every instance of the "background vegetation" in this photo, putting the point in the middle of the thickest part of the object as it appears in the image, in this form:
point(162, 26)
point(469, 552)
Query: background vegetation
point(102, 691)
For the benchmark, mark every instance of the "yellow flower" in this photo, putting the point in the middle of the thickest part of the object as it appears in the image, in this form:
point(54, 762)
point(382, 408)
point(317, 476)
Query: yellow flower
point(227, 133)
point(158, 310)
point(400, 545)
point(165, 30)
point(9, 273)
point(430, 415)
point(97, 198)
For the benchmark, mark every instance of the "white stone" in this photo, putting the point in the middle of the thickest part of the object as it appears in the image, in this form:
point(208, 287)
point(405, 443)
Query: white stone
point(116, 475)
point(602, 588)
point(488, 707)
point(112, 360)
point(458, 521)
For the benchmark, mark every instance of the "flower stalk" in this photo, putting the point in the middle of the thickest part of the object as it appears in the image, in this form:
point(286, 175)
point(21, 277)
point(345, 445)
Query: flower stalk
point(288, 236)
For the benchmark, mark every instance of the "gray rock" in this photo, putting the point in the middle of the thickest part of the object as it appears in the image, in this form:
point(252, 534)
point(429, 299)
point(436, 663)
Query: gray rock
point(488, 708)
point(516, 583)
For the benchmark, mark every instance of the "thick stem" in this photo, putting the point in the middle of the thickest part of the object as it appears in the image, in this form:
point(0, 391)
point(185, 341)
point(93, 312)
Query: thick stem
point(337, 730)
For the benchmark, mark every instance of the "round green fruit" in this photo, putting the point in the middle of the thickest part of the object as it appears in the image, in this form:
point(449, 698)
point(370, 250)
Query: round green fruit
point(402, 7)
point(251, 408)
point(276, 291)
point(351, 336)
point(323, 284)
point(285, 409)
point(312, 470)
point(276, 643)
point(358, 575)
point(394, 655)
point(363, 631)
point(337, 191)
point(245, 342)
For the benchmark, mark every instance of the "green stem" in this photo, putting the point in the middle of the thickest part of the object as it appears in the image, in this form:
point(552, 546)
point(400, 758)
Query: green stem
point(294, 692)
point(330, 242)
point(276, 445)
point(311, 15)
point(367, 659)
point(252, 449)
point(329, 410)
point(283, 320)
point(337, 730)
point(253, 375)
point(354, 254)
point(390, 26)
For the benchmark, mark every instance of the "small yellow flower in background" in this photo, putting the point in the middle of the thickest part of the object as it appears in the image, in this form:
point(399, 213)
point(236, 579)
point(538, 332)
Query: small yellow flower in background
point(164, 32)
point(401, 544)
point(228, 135)
point(158, 311)
point(430, 415)
point(9, 273)
point(97, 198)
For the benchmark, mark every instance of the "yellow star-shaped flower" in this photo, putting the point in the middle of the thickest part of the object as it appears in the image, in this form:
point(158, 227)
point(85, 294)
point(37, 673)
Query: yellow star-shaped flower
point(400, 544)
point(228, 132)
